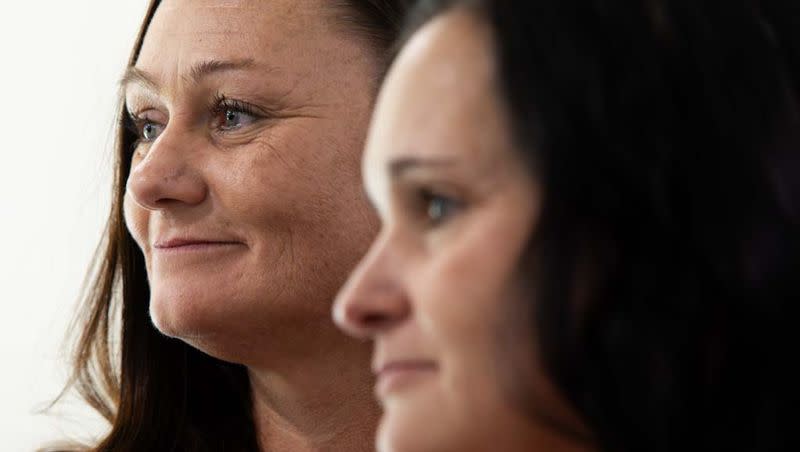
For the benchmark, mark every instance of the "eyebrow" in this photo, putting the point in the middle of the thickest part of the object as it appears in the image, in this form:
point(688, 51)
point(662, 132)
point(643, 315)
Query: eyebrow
point(136, 76)
point(198, 72)
point(205, 68)
point(403, 165)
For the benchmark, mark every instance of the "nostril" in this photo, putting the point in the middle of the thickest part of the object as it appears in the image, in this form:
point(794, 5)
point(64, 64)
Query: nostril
point(374, 320)
point(364, 323)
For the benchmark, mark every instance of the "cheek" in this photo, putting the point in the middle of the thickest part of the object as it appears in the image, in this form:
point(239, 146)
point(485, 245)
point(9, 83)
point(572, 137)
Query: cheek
point(466, 291)
point(461, 310)
point(272, 186)
point(465, 284)
point(460, 318)
point(296, 193)
point(303, 173)
point(474, 269)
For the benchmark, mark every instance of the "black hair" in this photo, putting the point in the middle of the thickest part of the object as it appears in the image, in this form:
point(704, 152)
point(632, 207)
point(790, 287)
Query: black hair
point(666, 137)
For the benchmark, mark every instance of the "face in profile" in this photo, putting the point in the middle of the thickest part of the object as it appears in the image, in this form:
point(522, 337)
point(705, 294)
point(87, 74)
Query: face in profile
point(436, 291)
point(244, 193)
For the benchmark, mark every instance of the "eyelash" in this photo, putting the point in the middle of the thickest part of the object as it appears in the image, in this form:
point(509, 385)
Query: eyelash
point(134, 123)
point(219, 105)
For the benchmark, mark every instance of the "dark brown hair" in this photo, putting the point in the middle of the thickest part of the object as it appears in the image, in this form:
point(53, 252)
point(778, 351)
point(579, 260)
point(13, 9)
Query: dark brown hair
point(666, 138)
point(158, 393)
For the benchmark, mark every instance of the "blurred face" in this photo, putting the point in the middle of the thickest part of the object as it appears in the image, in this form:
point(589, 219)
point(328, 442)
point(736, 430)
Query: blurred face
point(244, 193)
point(457, 206)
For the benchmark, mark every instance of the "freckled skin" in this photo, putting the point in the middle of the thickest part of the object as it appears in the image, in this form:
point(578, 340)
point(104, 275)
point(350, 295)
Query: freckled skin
point(290, 186)
point(286, 186)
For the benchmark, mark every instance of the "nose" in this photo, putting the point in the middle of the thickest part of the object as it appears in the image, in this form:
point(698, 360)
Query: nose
point(373, 300)
point(165, 175)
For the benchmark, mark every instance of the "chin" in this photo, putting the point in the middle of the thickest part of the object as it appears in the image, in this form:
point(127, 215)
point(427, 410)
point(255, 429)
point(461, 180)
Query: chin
point(229, 325)
point(193, 321)
point(186, 308)
point(407, 432)
point(179, 314)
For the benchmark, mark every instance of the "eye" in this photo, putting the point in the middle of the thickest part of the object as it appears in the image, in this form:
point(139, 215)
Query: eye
point(150, 131)
point(439, 208)
point(145, 128)
point(232, 119)
point(230, 115)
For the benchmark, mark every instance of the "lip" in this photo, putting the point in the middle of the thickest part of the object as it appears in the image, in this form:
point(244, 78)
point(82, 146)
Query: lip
point(193, 244)
point(400, 374)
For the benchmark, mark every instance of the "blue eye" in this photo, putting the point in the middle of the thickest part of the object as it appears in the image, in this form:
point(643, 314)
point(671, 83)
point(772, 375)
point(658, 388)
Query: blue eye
point(231, 114)
point(234, 119)
point(144, 126)
point(150, 131)
point(439, 208)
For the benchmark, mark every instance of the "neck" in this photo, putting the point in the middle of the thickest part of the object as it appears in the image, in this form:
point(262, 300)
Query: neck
point(320, 401)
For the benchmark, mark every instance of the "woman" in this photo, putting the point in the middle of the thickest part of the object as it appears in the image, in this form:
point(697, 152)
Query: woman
point(591, 228)
point(237, 215)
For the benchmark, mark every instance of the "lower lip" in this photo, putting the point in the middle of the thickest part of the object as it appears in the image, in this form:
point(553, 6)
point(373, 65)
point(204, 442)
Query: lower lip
point(399, 378)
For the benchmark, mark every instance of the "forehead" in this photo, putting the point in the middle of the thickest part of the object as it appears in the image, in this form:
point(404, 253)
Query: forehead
point(193, 30)
point(440, 97)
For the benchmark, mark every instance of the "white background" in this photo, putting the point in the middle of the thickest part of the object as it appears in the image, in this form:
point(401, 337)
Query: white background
point(59, 66)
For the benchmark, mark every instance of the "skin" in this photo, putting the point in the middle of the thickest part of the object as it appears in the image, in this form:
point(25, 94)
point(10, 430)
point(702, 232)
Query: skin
point(436, 291)
point(249, 210)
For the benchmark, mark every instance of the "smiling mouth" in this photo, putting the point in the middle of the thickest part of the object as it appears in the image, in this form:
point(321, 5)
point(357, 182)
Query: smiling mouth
point(177, 246)
point(397, 376)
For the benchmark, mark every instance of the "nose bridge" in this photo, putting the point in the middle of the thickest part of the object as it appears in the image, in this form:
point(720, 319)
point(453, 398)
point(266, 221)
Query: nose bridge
point(164, 158)
point(380, 268)
point(374, 298)
point(167, 172)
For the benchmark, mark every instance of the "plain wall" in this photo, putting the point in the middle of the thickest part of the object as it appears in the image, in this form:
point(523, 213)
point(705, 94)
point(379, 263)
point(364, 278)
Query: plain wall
point(61, 61)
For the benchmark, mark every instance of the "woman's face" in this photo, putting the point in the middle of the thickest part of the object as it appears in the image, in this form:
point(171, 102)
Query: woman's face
point(436, 290)
point(244, 192)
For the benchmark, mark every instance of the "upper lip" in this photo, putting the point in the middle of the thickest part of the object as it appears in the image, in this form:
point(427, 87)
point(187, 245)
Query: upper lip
point(177, 242)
